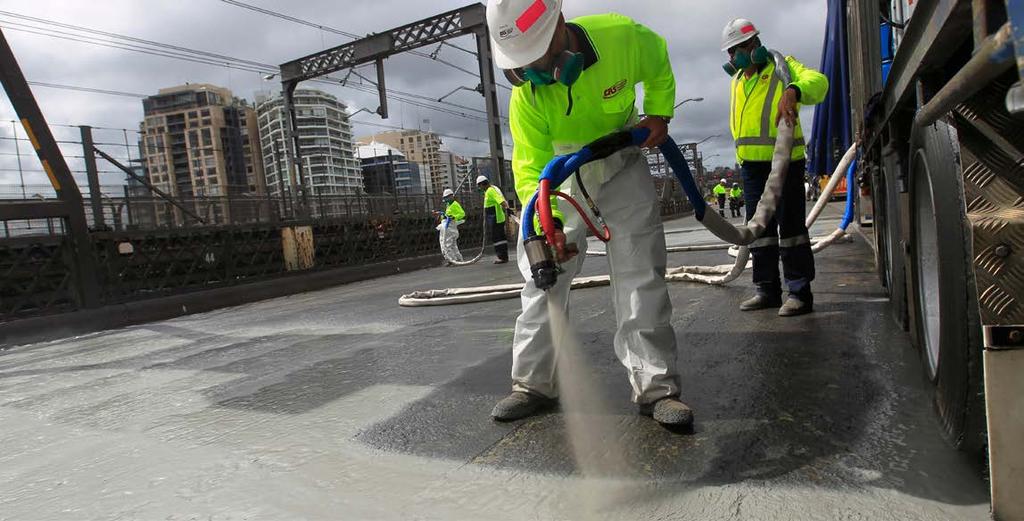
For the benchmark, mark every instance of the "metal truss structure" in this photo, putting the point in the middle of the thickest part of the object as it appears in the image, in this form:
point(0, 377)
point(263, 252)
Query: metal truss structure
point(376, 48)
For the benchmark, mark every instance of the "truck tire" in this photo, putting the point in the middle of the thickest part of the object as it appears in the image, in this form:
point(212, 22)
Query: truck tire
point(943, 297)
point(880, 220)
point(889, 235)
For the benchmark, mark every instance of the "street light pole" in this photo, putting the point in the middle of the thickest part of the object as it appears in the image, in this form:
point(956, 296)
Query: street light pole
point(709, 137)
point(687, 99)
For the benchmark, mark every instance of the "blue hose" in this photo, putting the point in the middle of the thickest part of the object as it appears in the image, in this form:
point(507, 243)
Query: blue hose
point(848, 215)
point(560, 168)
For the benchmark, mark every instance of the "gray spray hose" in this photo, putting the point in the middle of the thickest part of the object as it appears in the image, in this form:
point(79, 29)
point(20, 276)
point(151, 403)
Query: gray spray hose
point(700, 273)
point(769, 202)
point(715, 223)
point(766, 206)
point(715, 275)
point(450, 257)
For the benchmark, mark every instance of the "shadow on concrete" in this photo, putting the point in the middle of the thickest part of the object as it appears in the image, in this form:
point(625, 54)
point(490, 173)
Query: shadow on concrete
point(799, 406)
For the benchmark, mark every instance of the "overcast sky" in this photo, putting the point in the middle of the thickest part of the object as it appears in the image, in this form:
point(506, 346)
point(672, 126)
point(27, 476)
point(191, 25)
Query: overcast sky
point(692, 28)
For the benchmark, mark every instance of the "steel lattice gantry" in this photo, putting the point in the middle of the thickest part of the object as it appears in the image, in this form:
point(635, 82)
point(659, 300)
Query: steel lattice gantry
point(375, 48)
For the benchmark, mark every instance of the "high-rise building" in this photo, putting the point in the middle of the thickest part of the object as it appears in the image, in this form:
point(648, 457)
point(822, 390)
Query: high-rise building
point(198, 140)
point(412, 184)
point(454, 168)
point(329, 165)
point(421, 147)
point(383, 166)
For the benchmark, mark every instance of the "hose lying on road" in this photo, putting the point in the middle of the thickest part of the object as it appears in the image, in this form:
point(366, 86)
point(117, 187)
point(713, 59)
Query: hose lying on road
point(715, 223)
point(450, 255)
point(817, 244)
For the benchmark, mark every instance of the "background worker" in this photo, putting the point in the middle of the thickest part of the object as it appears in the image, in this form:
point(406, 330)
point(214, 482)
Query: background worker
point(720, 192)
point(735, 200)
point(495, 210)
point(575, 82)
point(759, 102)
point(453, 216)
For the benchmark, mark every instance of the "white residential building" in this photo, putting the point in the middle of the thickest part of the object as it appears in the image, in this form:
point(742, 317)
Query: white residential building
point(325, 140)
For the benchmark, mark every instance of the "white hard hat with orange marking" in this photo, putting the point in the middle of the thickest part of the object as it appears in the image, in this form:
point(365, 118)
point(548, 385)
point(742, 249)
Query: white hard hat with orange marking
point(737, 32)
point(521, 30)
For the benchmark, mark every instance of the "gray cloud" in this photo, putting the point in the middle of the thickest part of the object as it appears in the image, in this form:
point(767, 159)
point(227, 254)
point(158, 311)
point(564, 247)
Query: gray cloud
point(692, 29)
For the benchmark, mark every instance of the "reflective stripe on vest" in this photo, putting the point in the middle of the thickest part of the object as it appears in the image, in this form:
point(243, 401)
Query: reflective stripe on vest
point(790, 242)
point(765, 139)
point(797, 142)
point(764, 242)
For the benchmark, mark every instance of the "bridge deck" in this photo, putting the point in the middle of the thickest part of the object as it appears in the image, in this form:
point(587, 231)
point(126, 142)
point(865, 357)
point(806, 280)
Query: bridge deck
point(339, 404)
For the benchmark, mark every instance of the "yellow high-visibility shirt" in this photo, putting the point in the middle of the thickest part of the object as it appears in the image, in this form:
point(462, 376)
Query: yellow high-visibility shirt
point(455, 211)
point(618, 54)
point(493, 198)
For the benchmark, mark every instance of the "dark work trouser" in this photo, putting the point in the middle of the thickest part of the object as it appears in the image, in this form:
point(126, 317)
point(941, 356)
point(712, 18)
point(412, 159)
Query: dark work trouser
point(721, 205)
point(497, 231)
point(786, 234)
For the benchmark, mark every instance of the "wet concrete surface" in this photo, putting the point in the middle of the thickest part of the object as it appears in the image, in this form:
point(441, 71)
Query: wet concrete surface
point(339, 404)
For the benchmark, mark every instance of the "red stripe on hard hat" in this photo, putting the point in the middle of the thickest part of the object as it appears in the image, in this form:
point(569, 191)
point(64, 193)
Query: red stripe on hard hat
point(531, 15)
point(747, 29)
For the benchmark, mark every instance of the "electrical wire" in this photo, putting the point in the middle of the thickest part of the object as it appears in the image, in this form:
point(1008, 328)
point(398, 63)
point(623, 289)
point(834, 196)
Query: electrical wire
point(172, 51)
point(432, 57)
point(87, 89)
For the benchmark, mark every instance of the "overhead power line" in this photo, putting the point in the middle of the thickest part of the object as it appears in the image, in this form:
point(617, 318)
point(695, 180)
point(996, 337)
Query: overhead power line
point(124, 37)
point(86, 89)
point(150, 47)
point(282, 16)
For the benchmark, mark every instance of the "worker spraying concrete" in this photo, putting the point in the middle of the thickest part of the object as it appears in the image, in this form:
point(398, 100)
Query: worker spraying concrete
point(448, 230)
point(575, 81)
point(760, 216)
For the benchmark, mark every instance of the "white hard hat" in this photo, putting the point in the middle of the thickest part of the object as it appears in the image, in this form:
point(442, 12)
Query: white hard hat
point(447, 193)
point(737, 32)
point(482, 179)
point(722, 181)
point(521, 30)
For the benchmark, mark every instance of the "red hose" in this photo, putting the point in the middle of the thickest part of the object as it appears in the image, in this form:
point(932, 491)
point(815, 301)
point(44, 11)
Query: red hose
point(603, 237)
point(547, 219)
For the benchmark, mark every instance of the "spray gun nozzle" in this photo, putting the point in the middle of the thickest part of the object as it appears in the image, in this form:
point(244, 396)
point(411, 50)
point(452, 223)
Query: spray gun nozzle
point(542, 262)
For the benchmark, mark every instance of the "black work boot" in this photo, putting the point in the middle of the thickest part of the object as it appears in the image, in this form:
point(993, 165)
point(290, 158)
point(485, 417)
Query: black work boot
point(761, 301)
point(669, 412)
point(519, 405)
point(795, 306)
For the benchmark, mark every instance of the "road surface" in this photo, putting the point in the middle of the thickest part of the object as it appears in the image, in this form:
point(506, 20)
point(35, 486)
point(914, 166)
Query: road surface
point(338, 404)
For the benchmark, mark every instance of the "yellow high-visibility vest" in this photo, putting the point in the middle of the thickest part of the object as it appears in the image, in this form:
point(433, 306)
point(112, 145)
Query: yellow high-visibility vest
point(753, 109)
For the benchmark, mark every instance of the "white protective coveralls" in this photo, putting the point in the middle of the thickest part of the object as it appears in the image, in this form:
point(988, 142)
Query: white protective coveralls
point(448, 236)
point(645, 343)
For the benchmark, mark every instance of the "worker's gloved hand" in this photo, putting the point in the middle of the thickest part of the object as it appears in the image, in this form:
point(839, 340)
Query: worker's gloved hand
point(563, 252)
point(659, 131)
point(787, 108)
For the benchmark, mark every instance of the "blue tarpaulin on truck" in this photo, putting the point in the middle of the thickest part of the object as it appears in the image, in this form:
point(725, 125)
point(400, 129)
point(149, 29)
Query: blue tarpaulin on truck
point(830, 133)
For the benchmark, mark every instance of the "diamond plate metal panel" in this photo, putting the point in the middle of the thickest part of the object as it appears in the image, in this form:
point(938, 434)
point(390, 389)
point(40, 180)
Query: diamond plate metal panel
point(991, 145)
